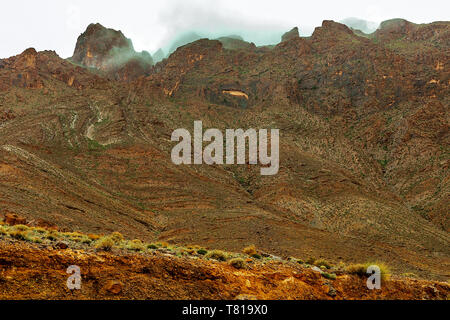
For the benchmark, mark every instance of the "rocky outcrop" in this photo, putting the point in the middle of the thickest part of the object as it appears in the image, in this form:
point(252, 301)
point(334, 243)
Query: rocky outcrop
point(112, 53)
point(13, 219)
point(293, 34)
point(43, 70)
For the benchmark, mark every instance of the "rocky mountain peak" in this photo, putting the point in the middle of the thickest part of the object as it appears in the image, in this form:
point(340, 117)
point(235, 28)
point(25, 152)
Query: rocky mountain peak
point(109, 51)
point(330, 26)
point(293, 34)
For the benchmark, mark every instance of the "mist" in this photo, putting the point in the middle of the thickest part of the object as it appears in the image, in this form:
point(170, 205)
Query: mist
point(55, 25)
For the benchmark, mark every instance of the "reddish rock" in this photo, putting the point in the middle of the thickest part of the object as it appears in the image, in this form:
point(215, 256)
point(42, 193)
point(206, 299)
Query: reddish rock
point(61, 245)
point(114, 287)
point(13, 219)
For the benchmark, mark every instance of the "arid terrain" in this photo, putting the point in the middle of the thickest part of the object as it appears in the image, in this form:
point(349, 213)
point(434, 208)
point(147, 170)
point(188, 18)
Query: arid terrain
point(85, 146)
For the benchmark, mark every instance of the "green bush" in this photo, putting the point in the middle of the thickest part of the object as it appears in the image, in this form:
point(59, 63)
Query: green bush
point(217, 255)
point(237, 263)
point(360, 269)
point(117, 237)
point(135, 245)
point(52, 235)
point(104, 243)
point(322, 262)
point(330, 276)
point(250, 250)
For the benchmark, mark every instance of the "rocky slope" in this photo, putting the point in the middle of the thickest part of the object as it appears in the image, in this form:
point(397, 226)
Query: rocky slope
point(40, 272)
point(364, 143)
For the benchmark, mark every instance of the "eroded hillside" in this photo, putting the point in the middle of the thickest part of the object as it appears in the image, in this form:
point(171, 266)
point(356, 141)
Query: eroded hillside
point(363, 147)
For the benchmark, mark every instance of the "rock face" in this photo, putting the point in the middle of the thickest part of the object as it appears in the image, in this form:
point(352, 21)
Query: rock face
point(42, 70)
point(111, 52)
point(293, 34)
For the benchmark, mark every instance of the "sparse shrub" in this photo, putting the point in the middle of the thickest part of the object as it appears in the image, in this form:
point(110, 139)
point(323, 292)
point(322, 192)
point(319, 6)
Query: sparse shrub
point(86, 240)
point(256, 256)
point(152, 246)
point(21, 227)
point(202, 252)
point(250, 250)
point(322, 263)
point(300, 261)
point(330, 276)
point(52, 235)
point(135, 245)
point(19, 235)
point(360, 269)
point(104, 243)
point(36, 240)
point(311, 260)
point(117, 237)
point(163, 244)
point(74, 236)
point(237, 263)
point(40, 230)
point(217, 255)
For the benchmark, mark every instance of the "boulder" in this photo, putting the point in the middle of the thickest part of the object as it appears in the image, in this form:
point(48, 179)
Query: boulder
point(114, 287)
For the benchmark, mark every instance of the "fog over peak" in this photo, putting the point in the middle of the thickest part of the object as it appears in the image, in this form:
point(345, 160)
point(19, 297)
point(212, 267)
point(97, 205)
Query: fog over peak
point(360, 24)
point(55, 25)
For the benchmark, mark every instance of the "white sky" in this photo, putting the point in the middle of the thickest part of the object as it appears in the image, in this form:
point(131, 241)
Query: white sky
point(55, 24)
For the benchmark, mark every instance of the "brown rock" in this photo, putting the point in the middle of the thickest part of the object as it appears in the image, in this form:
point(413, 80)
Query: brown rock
point(114, 287)
point(61, 245)
point(13, 219)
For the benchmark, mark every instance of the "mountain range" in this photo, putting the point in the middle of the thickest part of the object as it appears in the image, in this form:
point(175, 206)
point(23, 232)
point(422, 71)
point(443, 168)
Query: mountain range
point(85, 142)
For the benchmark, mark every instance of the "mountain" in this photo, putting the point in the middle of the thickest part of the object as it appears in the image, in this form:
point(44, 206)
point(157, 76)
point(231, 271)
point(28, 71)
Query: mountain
point(293, 34)
point(159, 56)
point(111, 52)
point(85, 143)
